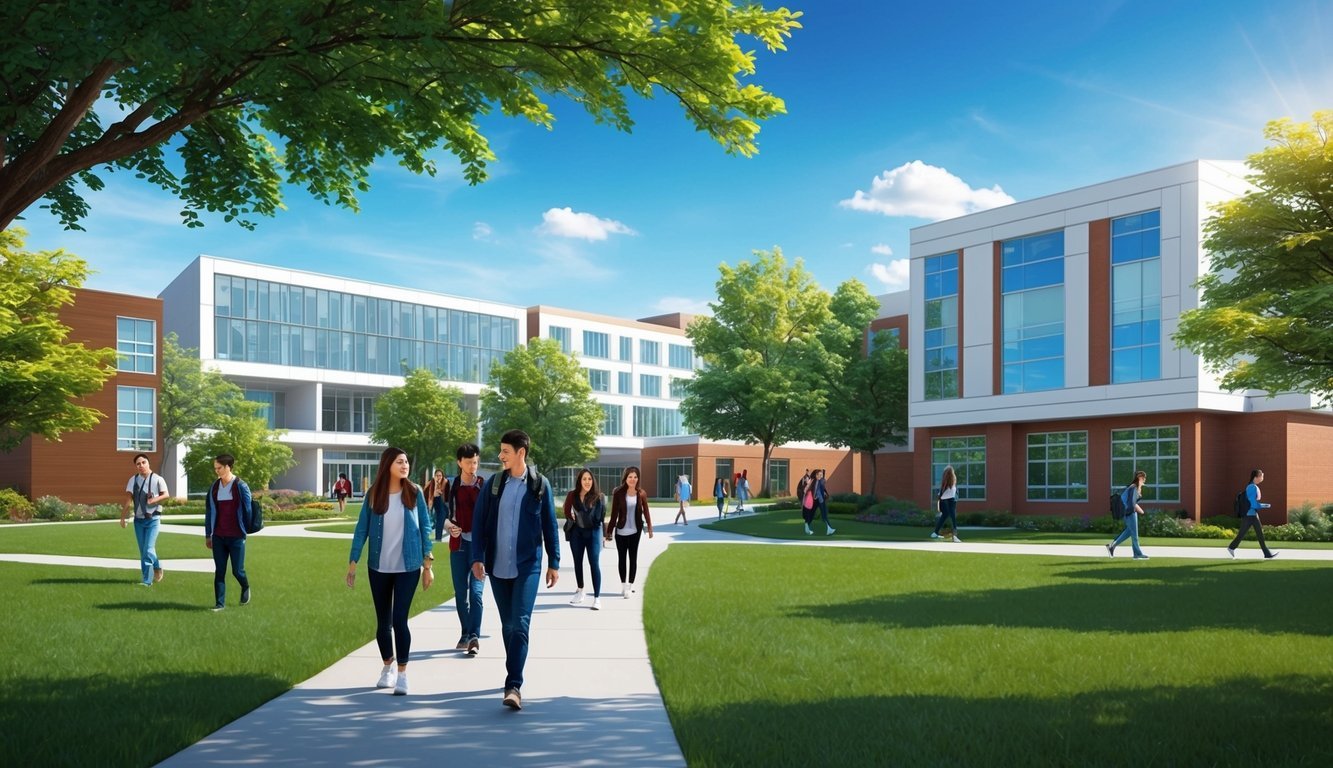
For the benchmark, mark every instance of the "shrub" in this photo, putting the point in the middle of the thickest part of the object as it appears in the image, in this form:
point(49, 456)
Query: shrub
point(1206, 531)
point(1053, 524)
point(1159, 522)
point(51, 508)
point(106, 511)
point(860, 501)
point(15, 505)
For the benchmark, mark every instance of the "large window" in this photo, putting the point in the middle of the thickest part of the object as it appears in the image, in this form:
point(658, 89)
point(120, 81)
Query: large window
point(560, 334)
point(1058, 466)
point(680, 356)
point(678, 388)
point(624, 383)
point(275, 406)
point(670, 470)
point(266, 322)
point(136, 417)
point(650, 386)
point(347, 411)
point(611, 420)
point(657, 422)
point(967, 455)
point(596, 344)
point(1155, 450)
point(650, 352)
point(626, 349)
point(359, 466)
point(779, 477)
point(1136, 297)
point(136, 345)
point(599, 380)
point(941, 347)
point(1033, 294)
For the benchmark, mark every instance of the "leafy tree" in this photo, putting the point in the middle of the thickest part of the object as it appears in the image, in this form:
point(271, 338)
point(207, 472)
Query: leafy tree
point(1265, 319)
point(763, 382)
point(40, 372)
point(244, 433)
point(252, 93)
point(424, 419)
point(544, 392)
point(191, 397)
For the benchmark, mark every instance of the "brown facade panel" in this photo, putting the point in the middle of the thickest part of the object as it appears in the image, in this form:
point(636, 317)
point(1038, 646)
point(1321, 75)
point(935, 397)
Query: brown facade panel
point(898, 322)
point(996, 322)
point(839, 465)
point(1099, 302)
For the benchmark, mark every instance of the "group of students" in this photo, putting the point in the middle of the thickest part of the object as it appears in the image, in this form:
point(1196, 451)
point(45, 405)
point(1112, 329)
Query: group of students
point(812, 492)
point(738, 488)
point(1133, 493)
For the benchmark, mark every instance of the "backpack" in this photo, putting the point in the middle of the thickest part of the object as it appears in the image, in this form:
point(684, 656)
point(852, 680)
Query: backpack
point(254, 518)
point(1118, 504)
point(536, 483)
point(1242, 504)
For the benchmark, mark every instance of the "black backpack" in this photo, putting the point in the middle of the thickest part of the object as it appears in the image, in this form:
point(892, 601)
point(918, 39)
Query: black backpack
point(536, 483)
point(1118, 510)
point(1242, 504)
point(254, 518)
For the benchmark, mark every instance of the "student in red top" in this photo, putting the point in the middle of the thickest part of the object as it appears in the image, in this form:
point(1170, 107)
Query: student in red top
point(468, 589)
point(341, 490)
point(224, 529)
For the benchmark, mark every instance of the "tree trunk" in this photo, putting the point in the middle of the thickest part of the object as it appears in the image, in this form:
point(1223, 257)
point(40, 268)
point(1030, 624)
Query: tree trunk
point(764, 490)
point(873, 467)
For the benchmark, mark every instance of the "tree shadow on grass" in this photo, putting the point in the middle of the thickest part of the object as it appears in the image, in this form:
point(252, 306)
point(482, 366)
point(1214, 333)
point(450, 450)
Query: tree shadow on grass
point(1128, 599)
point(1239, 721)
point(143, 605)
point(76, 581)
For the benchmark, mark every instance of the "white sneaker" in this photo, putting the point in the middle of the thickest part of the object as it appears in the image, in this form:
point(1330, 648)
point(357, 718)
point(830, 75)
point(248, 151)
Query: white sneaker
point(1231, 552)
point(934, 535)
point(957, 540)
point(597, 603)
point(808, 532)
point(388, 677)
point(400, 687)
point(624, 591)
point(578, 598)
point(830, 531)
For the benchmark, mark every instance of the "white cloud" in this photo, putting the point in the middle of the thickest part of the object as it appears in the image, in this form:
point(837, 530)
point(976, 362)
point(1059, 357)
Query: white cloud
point(481, 230)
point(924, 191)
point(893, 275)
point(881, 249)
point(565, 222)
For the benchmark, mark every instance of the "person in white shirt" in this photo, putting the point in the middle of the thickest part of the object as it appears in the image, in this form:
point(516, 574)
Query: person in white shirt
point(948, 504)
point(629, 519)
point(144, 493)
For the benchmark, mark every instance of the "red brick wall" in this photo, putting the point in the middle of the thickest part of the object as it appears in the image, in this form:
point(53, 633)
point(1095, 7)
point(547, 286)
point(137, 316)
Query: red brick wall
point(1099, 302)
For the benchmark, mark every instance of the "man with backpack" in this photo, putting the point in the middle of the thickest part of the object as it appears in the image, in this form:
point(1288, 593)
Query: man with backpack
point(226, 523)
point(513, 521)
point(1248, 511)
point(464, 491)
point(1129, 498)
point(146, 490)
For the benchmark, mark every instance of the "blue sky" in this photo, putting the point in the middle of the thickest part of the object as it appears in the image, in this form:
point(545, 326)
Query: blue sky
point(896, 117)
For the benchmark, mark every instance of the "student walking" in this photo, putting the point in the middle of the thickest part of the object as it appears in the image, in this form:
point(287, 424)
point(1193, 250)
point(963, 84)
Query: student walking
point(395, 520)
point(226, 512)
point(821, 499)
point(1131, 496)
point(437, 499)
point(468, 589)
point(586, 509)
point(805, 494)
point(144, 494)
point(948, 504)
point(342, 489)
point(629, 519)
point(741, 488)
point(683, 491)
point(1251, 519)
point(720, 495)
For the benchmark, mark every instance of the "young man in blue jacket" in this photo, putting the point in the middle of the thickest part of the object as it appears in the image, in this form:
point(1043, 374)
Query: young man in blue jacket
point(513, 520)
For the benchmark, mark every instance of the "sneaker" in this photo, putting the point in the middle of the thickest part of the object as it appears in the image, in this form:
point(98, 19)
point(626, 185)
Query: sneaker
point(957, 540)
point(388, 676)
point(157, 575)
point(1270, 555)
point(400, 687)
point(578, 598)
point(934, 535)
point(1231, 552)
point(462, 644)
point(512, 699)
point(215, 608)
point(808, 532)
point(597, 603)
point(624, 591)
point(1140, 557)
point(473, 647)
point(830, 532)
point(1110, 550)
point(245, 596)
point(145, 584)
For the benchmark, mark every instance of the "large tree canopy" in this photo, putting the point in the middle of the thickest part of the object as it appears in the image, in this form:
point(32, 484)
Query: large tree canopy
point(258, 92)
point(192, 397)
point(40, 371)
point(1265, 319)
point(425, 420)
point(243, 432)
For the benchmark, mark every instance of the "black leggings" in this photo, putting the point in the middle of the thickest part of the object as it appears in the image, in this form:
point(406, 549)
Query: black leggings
point(1250, 520)
point(628, 546)
point(948, 511)
point(392, 593)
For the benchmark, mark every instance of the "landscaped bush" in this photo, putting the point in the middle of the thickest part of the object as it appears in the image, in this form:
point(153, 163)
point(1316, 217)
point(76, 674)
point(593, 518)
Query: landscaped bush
point(314, 511)
point(50, 508)
point(859, 500)
point(15, 505)
point(58, 510)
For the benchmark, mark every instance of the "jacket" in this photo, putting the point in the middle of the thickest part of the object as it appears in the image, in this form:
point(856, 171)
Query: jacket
point(417, 530)
point(211, 509)
point(597, 514)
point(536, 526)
point(643, 520)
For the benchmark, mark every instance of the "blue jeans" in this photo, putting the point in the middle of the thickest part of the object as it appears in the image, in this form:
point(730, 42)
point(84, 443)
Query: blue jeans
point(1131, 532)
point(145, 532)
point(468, 590)
point(439, 513)
point(393, 593)
point(224, 547)
point(823, 511)
point(514, 598)
point(587, 540)
point(948, 511)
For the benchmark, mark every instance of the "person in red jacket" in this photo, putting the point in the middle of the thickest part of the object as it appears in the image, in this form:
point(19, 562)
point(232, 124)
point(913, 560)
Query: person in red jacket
point(468, 590)
point(629, 519)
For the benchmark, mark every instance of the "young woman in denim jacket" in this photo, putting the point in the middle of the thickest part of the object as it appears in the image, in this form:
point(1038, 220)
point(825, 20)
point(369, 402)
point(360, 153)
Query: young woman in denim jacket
point(586, 505)
point(395, 520)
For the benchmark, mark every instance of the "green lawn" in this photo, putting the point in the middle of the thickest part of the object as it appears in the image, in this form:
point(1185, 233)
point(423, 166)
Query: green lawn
point(778, 656)
point(97, 670)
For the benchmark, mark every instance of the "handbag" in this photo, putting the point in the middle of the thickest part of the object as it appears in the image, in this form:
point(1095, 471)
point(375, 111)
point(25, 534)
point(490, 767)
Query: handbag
point(569, 527)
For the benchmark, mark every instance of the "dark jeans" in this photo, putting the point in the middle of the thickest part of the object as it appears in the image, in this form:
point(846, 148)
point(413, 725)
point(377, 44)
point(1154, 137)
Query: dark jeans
point(438, 511)
point(225, 547)
point(468, 590)
point(948, 511)
point(587, 540)
point(628, 546)
point(1245, 525)
point(721, 505)
point(392, 593)
point(514, 599)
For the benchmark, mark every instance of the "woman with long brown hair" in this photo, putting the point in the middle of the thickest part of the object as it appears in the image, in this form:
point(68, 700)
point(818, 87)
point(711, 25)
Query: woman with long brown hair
point(948, 504)
point(395, 520)
point(585, 507)
point(629, 519)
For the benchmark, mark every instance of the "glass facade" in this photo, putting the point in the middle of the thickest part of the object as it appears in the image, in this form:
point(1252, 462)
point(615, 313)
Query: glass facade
point(1032, 280)
point(560, 334)
point(624, 383)
point(657, 422)
point(941, 328)
point(136, 418)
point(669, 471)
point(267, 322)
point(612, 416)
point(968, 457)
point(345, 410)
point(650, 386)
point(359, 466)
point(596, 344)
point(680, 356)
point(678, 387)
point(275, 406)
point(136, 345)
point(650, 352)
point(1058, 466)
point(1155, 450)
point(1136, 297)
point(626, 348)
point(599, 380)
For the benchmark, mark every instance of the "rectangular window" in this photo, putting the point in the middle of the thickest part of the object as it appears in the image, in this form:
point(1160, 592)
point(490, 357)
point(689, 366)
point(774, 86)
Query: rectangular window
point(611, 420)
point(657, 422)
point(941, 328)
point(1155, 450)
point(136, 418)
point(669, 471)
point(560, 334)
point(1136, 297)
point(275, 406)
point(650, 386)
point(967, 456)
point(596, 344)
point(348, 411)
point(1058, 466)
point(680, 356)
point(678, 387)
point(600, 381)
point(136, 345)
point(1033, 311)
point(624, 383)
point(779, 477)
point(650, 352)
point(626, 348)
